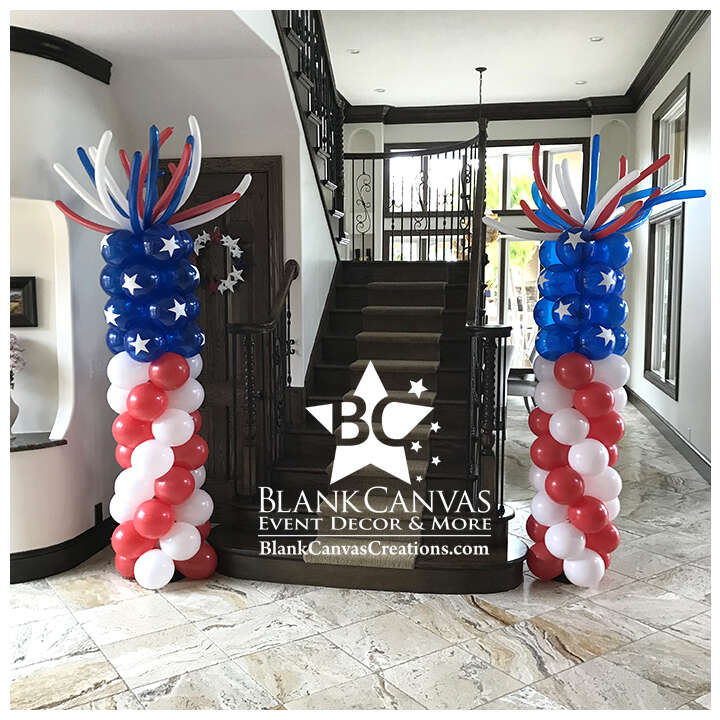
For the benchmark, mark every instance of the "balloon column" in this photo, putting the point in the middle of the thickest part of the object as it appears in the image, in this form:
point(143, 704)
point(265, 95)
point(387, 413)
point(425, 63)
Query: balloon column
point(163, 514)
point(580, 369)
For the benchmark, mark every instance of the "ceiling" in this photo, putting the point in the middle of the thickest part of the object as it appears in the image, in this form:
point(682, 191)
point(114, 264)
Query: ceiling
point(428, 57)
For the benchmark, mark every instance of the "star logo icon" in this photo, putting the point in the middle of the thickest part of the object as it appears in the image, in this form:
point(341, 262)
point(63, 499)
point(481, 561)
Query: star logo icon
point(359, 443)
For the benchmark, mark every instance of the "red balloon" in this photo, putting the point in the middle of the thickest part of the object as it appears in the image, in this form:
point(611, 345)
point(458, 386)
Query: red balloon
point(169, 371)
point(192, 454)
point(589, 515)
point(606, 540)
point(606, 559)
point(542, 564)
point(564, 485)
point(608, 429)
point(127, 541)
point(153, 519)
point(125, 565)
point(122, 455)
point(592, 400)
point(573, 370)
point(547, 453)
point(613, 454)
point(536, 531)
point(146, 402)
point(539, 422)
point(200, 565)
point(129, 431)
point(175, 486)
point(197, 419)
point(204, 530)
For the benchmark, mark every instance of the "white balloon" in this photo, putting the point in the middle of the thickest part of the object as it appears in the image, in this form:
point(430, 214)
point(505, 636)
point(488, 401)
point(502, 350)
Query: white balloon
point(544, 369)
point(605, 486)
point(537, 477)
point(196, 510)
point(134, 487)
point(154, 569)
point(547, 511)
point(117, 398)
point(612, 370)
point(152, 458)
point(122, 509)
point(173, 427)
point(565, 541)
point(619, 399)
point(199, 475)
point(188, 397)
point(196, 365)
point(125, 372)
point(569, 426)
point(550, 396)
point(587, 570)
point(181, 542)
point(613, 508)
point(589, 457)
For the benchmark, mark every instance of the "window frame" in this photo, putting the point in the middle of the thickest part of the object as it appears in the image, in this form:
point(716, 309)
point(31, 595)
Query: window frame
point(669, 387)
point(682, 88)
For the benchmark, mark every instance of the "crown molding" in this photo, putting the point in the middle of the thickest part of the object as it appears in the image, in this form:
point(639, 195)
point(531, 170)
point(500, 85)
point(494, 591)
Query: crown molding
point(50, 47)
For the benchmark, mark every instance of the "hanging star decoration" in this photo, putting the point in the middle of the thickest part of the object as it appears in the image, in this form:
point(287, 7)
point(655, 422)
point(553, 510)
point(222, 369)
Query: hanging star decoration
point(235, 275)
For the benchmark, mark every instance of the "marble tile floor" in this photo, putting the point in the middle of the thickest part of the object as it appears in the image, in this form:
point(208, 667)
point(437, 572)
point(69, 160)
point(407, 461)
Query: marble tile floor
point(88, 639)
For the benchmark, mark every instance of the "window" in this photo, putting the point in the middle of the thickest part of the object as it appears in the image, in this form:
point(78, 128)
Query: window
point(664, 293)
point(670, 136)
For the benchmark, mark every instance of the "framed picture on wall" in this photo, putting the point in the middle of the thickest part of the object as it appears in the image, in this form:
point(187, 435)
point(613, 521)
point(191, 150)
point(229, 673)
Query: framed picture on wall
point(669, 136)
point(23, 302)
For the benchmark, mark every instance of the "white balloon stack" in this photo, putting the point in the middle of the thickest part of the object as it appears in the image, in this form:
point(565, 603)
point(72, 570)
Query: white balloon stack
point(150, 461)
point(574, 537)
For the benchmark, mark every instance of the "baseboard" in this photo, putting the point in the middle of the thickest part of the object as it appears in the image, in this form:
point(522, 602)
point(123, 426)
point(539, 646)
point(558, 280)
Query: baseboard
point(698, 461)
point(42, 562)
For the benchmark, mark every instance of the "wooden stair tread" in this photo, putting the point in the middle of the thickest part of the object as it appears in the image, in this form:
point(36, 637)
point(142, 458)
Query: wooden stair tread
point(401, 310)
point(409, 366)
point(422, 338)
point(413, 284)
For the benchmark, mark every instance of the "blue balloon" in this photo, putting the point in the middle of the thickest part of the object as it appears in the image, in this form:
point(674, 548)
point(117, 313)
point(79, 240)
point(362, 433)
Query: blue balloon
point(115, 340)
point(619, 250)
point(144, 343)
point(548, 253)
point(139, 280)
point(596, 280)
point(617, 311)
point(598, 253)
point(170, 311)
point(596, 342)
point(120, 247)
point(554, 341)
point(111, 280)
point(192, 306)
point(622, 341)
point(166, 244)
point(556, 281)
point(188, 341)
point(543, 313)
point(598, 311)
point(186, 277)
point(620, 282)
point(573, 247)
point(120, 312)
point(571, 311)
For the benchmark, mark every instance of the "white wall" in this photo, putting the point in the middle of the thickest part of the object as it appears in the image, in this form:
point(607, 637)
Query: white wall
point(690, 414)
point(53, 491)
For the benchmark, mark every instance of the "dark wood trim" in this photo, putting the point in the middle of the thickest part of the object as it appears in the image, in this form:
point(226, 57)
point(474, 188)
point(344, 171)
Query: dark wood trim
point(671, 434)
point(50, 47)
point(682, 88)
point(42, 562)
point(680, 30)
point(669, 388)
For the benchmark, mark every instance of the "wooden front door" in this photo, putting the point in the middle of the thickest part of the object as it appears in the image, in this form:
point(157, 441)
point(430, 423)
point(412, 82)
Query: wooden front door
point(257, 221)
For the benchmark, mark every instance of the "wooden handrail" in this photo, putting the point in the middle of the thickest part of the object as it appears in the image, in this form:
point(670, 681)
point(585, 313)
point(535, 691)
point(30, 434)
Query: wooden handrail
point(291, 271)
point(436, 150)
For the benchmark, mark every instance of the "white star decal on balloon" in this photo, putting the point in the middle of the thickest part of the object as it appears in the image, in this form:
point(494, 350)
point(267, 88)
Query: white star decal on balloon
point(417, 387)
point(139, 345)
point(178, 309)
point(104, 242)
point(574, 239)
point(130, 283)
point(415, 446)
point(169, 245)
point(606, 334)
point(541, 279)
point(607, 280)
point(562, 310)
point(111, 316)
